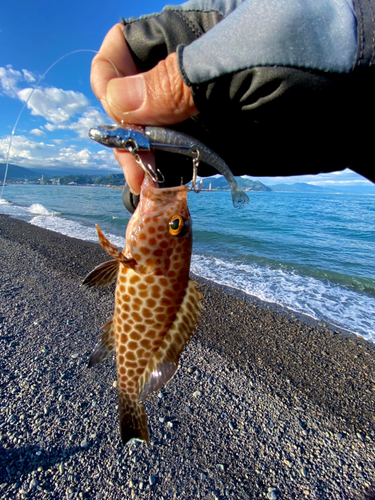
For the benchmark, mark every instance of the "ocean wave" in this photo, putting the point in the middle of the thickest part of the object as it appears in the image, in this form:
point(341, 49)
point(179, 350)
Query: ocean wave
point(318, 299)
point(74, 229)
point(39, 209)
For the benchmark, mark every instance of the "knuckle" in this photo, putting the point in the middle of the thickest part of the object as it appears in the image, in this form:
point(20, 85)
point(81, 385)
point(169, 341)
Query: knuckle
point(170, 88)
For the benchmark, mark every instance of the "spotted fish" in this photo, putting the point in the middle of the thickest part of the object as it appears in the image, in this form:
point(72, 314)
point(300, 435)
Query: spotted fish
point(156, 303)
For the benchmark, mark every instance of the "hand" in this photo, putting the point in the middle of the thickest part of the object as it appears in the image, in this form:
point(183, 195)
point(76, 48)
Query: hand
point(156, 97)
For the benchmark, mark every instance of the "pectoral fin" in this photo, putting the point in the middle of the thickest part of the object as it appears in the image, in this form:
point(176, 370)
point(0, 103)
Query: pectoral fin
point(102, 275)
point(164, 363)
point(113, 251)
point(105, 347)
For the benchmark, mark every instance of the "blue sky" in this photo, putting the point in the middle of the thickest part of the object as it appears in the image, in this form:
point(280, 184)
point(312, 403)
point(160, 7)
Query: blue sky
point(52, 131)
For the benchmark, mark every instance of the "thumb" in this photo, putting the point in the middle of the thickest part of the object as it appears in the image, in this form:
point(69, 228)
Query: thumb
point(157, 97)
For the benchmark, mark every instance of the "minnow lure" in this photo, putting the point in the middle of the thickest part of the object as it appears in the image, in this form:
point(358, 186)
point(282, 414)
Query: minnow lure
point(156, 304)
point(137, 138)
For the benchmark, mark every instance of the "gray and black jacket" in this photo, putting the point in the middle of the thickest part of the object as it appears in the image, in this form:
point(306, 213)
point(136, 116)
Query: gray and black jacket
point(284, 87)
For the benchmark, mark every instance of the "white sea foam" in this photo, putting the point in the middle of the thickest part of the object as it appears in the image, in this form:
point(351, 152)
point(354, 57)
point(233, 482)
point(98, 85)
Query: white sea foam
point(74, 229)
point(8, 208)
point(39, 209)
point(321, 300)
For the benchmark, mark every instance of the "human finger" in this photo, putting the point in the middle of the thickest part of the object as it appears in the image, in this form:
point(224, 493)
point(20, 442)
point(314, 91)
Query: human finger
point(133, 172)
point(114, 60)
point(156, 97)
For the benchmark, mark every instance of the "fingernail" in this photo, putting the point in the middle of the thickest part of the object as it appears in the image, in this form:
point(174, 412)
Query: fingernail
point(126, 94)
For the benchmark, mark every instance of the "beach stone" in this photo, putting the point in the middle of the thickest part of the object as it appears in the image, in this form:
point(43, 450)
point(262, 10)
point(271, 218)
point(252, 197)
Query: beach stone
point(272, 493)
point(33, 484)
point(152, 480)
point(197, 394)
point(84, 443)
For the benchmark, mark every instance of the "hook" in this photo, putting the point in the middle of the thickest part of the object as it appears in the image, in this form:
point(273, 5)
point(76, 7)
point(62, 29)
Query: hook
point(194, 186)
point(132, 147)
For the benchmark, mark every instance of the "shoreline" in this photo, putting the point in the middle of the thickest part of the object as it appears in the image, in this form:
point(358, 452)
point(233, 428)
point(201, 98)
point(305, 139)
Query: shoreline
point(304, 317)
point(278, 308)
point(264, 405)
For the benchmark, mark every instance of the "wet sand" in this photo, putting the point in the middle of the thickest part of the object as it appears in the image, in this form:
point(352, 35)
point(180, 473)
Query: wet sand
point(265, 404)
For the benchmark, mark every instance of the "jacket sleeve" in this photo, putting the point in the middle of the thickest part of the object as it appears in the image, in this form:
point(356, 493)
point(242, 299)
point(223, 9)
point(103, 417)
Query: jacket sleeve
point(283, 87)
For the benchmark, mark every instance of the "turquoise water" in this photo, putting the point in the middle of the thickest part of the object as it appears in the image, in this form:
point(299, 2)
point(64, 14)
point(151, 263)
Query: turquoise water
point(311, 253)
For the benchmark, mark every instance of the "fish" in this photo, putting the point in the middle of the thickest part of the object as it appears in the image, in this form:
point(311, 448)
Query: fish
point(157, 304)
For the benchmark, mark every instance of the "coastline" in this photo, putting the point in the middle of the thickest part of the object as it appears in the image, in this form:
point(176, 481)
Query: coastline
point(286, 406)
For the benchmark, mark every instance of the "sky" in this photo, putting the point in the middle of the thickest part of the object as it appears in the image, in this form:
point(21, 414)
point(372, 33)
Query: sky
point(52, 130)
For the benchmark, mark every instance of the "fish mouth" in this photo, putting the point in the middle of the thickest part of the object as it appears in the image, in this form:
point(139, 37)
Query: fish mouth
point(159, 200)
point(164, 195)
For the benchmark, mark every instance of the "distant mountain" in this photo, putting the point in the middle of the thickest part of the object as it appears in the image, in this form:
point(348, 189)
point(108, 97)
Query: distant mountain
point(81, 179)
point(58, 171)
point(18, 173)
point(221, 184)
point(303, 187)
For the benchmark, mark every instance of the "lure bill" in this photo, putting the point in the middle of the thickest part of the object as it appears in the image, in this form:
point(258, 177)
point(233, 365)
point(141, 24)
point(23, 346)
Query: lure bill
point(156, 303)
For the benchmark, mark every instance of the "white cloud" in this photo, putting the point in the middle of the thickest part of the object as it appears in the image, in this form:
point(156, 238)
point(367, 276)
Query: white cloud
point(9, 79)
point(37, 131)
point(90, 118)
point(62, 109)
point(55, 105)
point(29, 77)
point(29, 153)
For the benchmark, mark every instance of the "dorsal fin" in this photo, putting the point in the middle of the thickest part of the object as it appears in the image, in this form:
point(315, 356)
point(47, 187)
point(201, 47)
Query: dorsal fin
point(103, 275)
point(113, 251)
point(164, 363)
point(105, 347)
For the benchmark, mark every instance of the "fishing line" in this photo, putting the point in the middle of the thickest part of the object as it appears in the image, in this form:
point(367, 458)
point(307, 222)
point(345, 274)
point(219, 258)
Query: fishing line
point(28, 99)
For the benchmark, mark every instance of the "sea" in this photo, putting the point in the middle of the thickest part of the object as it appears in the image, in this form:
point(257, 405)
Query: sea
point(310, 253)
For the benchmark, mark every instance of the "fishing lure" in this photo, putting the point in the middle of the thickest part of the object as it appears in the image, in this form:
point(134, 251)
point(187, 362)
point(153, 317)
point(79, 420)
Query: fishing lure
point(135, 138)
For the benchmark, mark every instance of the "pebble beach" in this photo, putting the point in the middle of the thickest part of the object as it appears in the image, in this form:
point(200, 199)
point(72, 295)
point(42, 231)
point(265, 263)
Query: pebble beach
point(265, 404)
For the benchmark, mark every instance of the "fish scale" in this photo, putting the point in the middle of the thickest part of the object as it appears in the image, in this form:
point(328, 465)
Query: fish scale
point(156, 304)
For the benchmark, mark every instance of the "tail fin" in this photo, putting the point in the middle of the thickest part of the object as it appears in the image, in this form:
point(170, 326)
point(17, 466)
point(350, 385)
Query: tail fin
point(239, 197)
point(133, 419)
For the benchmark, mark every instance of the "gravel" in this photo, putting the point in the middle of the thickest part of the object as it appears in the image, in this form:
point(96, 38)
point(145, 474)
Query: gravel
point(265, 404)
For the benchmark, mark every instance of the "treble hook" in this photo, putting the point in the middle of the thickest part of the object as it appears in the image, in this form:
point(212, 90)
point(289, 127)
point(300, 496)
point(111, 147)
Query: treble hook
point(132, 147)
point(194, 186)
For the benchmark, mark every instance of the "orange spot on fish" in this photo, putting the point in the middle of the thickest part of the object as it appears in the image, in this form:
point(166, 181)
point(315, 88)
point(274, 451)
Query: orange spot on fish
point(130, 356)
point(134, 279)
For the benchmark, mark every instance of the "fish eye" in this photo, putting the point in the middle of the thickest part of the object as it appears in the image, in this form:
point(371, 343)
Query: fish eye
point(176, 225)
